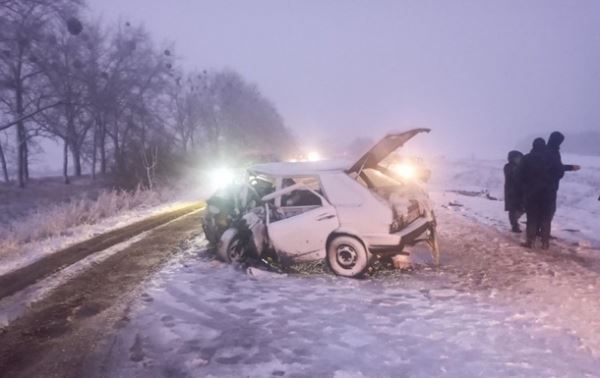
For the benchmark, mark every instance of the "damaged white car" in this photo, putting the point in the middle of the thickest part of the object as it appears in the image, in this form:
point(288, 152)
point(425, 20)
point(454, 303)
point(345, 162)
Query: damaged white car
point(343, 213)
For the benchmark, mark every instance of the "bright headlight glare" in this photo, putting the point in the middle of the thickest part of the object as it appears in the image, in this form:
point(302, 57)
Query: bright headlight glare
point(313, 156)
point(404, 170)
point(221, 177)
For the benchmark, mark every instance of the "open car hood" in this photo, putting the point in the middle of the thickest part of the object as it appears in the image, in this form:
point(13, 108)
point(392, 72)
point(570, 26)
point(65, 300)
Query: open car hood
point(383, 148)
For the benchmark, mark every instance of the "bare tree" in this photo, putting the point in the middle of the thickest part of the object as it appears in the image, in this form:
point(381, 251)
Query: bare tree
point(246, 119)
point(114, 100)
point(3, 162)
point(190, 108)
point(63, 69)
point(138, 79)
point(150, 161)
point(24, 32)
point(52, 123)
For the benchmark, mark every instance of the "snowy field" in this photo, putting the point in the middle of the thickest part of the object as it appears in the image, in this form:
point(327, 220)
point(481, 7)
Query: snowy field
point(576, 220)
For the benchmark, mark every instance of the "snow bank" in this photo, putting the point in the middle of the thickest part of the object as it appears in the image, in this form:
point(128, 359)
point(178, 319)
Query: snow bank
point(54, 227)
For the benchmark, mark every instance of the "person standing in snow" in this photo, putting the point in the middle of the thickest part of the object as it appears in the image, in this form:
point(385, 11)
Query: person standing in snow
point(534, 178)
point(513, 195)
point(556, 171)
point(557, 168)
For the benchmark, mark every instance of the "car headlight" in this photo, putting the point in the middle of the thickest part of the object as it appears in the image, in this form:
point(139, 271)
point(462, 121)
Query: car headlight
point(221, 177)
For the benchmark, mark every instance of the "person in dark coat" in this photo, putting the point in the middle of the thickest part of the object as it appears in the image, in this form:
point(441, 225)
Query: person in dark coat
point(556, 168)
point(555, 171)
point(534, 178)
point(513, 195)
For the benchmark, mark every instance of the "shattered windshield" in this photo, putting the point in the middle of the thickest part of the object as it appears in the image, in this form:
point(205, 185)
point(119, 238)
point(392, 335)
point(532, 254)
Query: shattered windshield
point(263, 185)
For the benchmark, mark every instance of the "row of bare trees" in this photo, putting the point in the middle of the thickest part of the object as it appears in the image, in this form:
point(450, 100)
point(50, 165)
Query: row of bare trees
point(118, 103)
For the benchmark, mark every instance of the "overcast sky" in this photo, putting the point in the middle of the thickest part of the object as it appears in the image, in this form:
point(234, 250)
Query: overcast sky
point(481, 74)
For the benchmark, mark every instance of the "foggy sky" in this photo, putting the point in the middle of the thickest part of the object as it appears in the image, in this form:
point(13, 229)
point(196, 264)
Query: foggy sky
point(481, 74)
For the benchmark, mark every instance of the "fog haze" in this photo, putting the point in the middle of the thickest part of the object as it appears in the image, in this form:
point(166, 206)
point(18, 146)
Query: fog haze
point(482, 75)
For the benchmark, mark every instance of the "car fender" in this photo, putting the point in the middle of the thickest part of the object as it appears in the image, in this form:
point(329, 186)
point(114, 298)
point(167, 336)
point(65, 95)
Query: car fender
point(257, 226)
point(345, 231)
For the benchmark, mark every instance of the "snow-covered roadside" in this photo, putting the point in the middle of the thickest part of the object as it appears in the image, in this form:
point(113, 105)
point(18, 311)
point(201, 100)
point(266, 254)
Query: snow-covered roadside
point(33, 251)
point(457, 182)
point(200, 317)
point(556, 289)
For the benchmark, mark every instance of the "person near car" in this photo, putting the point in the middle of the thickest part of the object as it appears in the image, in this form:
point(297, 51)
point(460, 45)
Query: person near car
point(556, 171)
point(534, 178)
point(513, 194)
point(557, 168)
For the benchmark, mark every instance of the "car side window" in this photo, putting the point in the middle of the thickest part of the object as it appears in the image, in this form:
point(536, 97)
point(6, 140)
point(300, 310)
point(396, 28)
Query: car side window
point(301, 197)
point(298, 201)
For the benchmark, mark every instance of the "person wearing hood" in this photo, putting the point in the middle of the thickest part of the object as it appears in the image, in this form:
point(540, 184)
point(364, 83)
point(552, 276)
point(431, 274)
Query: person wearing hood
point(535, 182)
point(556, 168)
point(513, 196)
point(556, 171)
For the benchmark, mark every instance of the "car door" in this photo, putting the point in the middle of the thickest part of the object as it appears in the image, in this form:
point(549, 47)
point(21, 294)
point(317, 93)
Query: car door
point(300, 232)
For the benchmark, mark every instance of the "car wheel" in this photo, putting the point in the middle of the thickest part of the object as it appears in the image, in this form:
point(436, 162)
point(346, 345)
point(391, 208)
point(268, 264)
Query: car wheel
point(231, 247)
point(347, 256)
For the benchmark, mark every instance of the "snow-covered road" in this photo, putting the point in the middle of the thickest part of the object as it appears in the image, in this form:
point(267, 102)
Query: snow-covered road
point(492, 310)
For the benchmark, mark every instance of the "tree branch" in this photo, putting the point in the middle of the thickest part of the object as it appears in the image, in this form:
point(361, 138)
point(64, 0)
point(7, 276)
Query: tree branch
point(20, 119)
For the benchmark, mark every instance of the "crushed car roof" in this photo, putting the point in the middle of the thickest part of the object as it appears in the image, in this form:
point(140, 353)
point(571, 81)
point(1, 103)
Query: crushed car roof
point(308, 168)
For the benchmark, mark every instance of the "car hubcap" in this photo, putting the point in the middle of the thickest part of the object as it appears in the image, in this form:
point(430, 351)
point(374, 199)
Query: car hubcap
point(346, 256)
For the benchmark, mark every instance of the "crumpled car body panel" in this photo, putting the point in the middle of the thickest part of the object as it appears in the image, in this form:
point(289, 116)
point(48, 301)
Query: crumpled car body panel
point(313, 202)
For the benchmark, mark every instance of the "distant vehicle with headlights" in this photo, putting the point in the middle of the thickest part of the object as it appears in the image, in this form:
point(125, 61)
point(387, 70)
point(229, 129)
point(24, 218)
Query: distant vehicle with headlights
point(343, 213)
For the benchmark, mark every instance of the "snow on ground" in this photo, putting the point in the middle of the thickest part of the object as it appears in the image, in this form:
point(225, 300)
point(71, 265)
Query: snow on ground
point(557, 289)
point(58, 220)
point(578, 211)
point(15, 305)
point(200, 317)
point(43, 192)
point(492, 309)
point(33, 251)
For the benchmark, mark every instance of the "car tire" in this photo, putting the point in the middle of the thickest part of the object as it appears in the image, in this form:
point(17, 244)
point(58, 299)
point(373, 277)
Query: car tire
point(347, 256)
point(230, 248)
point(210, 234)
